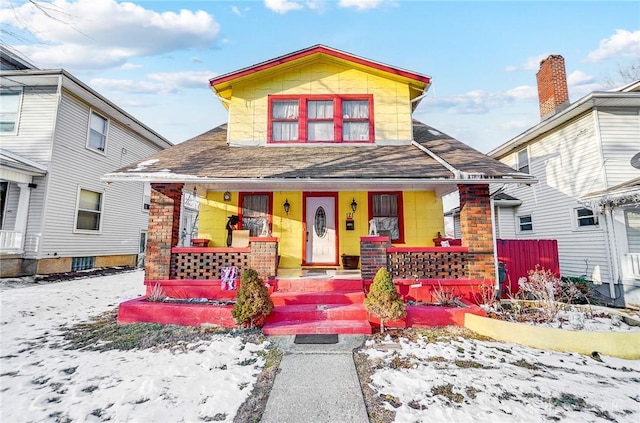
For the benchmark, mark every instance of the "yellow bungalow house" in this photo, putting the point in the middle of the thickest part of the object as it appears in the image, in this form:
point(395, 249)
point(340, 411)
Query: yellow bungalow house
point(320, 158)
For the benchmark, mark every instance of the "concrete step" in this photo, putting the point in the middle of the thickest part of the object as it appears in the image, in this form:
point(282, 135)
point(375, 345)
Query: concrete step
point(324, 326)
point(323, 297)
point(317, 312)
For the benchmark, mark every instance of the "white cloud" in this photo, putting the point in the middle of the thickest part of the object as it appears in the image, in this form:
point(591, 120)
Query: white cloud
point(161, 82)
point(130, 66)
point(235, 10)
point(530, 64)
point(360, 4)
point(104, 33)
point(622, 43)
point(480, 101)
point(282, 6)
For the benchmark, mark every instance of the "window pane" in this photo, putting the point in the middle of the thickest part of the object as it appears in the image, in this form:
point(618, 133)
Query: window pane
point(285, 131)
point(89, 200)
point(523, 161)
point(586, 217)
point(320, 131)
point(97, 132)
point(322, 109)
point(526, 223)
point(355, 131)
point(9, 104)
point(98, 123)
point(255, 205)
point(355, 109)
point(388, 224)
point(385, 205)
point(285, 109)
point(88, 220)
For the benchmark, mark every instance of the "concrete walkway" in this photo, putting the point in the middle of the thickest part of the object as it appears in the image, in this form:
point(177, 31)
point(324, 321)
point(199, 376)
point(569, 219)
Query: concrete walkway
point(317, 384)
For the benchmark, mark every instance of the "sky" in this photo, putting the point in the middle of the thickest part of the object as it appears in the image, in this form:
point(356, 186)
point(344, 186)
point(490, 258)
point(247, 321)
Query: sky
point(456, 380)
point(154, 58)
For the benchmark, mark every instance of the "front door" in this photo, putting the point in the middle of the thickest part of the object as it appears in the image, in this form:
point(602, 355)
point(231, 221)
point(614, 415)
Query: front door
point(321, 239)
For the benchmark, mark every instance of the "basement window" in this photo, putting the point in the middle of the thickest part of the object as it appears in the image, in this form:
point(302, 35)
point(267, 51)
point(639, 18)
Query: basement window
point(82, 263)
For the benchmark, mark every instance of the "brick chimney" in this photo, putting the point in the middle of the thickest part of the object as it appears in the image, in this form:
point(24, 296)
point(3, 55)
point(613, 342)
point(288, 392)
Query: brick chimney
point(553, 93)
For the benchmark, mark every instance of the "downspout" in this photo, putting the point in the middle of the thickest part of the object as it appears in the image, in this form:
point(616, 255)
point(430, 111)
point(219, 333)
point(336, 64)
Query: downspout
point(609, 232)
point(496, 268)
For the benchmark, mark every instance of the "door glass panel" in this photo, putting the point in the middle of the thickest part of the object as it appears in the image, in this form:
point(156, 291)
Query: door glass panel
point(320, 223)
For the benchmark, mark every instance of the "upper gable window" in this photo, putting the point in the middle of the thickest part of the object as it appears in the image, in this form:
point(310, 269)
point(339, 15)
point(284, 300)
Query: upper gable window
point(97, 132)
point(523, 161)
point(321, 118)
point(9, 110)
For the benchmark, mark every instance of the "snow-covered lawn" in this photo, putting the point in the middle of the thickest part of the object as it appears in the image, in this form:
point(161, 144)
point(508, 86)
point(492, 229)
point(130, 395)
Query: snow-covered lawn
point(41, 380)
point(457, 379)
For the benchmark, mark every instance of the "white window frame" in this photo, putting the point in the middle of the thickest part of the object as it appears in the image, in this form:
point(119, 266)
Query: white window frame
point(575, 219)
point(528, 165)
point(146, 196)
point(519, 223)
point(77, 209)
point(16, 123)
point(105, 135)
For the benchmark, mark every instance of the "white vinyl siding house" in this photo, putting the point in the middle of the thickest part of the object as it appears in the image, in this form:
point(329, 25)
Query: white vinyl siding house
point(580, 151)
point(62, 122)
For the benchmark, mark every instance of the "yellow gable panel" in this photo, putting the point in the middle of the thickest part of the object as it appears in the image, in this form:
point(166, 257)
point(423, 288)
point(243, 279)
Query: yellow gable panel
point(248, 113)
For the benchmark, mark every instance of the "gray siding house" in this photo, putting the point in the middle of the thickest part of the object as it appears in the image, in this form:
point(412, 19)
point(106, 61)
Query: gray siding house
point(58, 137)
point(586, 158)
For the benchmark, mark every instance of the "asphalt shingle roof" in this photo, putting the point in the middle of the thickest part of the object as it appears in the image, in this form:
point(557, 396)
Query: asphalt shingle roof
point(208, 156)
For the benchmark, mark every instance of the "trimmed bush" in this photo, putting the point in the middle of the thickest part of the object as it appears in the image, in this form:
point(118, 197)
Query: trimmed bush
point(253, 303)
point(383, 300)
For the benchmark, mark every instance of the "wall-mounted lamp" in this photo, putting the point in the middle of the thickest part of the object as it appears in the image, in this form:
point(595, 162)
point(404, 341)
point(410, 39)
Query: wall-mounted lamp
point(195, 192)
point(354, 205)
point(227, 196)
point(286, 206)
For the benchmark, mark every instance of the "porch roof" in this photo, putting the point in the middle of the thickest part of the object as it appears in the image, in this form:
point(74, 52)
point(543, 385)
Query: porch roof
point(433, 158)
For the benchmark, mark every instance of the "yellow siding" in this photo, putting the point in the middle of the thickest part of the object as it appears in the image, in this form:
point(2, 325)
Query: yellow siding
point(422, 220)
point(248, 114)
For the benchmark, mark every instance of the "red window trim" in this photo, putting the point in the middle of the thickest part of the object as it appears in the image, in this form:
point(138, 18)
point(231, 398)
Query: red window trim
point(400, 240)
point(337, 117)
point(241, 196)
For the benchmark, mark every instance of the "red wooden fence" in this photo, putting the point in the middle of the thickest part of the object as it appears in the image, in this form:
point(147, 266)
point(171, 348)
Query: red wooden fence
point(521, 255)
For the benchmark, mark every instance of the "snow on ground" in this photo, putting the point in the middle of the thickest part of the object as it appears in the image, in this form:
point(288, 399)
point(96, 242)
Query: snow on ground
point(42, 381)
point(466, 380)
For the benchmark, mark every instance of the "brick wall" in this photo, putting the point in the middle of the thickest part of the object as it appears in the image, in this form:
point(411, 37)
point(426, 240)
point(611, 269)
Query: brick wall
point(264, 256)
point(476, 230)
point(373, 255)
point(553, 93)
point(163, 232)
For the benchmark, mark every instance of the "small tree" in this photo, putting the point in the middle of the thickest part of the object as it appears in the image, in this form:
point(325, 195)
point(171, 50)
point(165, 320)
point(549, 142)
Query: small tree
point(383, 299)
point(253, 303)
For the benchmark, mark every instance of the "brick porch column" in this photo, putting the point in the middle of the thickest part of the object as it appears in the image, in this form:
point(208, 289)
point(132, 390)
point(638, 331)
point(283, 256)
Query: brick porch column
point(163, 232)
point(373, 255)
point(476, 230)
point(264, 256)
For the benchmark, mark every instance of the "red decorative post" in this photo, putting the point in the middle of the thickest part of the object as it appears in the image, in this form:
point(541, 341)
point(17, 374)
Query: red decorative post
point(477, 230)
point(164, 226)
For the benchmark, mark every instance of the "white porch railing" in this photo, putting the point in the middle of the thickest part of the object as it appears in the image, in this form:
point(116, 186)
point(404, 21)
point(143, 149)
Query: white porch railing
point(10, 241)
point(631, 265)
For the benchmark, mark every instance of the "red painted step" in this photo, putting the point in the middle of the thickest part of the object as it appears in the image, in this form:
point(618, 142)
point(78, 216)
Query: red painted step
point(317, 285)
point(302, 312)
point(325, 326)
point(323, 297)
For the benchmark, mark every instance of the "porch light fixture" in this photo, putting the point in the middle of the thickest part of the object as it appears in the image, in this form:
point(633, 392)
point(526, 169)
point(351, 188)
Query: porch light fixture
point(227, 196)
point(354, 205)
point(286, 206)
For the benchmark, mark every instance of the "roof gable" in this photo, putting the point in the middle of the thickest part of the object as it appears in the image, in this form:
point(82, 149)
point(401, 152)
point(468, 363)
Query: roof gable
point(317, 54)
